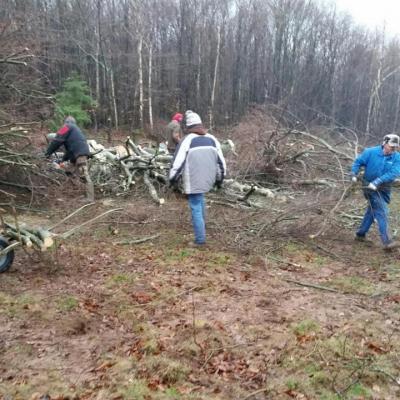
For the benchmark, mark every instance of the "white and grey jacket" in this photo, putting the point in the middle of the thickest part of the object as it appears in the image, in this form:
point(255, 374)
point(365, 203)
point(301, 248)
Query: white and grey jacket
point(200, 162)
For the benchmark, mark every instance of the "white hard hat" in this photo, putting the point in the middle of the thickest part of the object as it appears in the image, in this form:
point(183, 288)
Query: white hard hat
point(392, 140)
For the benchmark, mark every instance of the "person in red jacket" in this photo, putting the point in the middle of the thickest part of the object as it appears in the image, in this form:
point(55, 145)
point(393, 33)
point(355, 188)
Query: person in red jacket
point(174, 132)
point(76, 151)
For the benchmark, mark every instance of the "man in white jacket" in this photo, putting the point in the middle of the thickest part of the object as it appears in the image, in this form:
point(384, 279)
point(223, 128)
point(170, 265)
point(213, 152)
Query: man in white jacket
point(200, 162)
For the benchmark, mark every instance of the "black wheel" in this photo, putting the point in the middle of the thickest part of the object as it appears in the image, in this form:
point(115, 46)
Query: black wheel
point(7, 259)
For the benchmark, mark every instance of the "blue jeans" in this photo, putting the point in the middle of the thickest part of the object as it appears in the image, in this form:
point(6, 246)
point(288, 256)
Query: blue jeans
point(377, 210)
point(197, 205)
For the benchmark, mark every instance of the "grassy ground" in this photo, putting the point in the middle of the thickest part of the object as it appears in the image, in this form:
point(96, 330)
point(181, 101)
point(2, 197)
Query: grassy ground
point(95, 319)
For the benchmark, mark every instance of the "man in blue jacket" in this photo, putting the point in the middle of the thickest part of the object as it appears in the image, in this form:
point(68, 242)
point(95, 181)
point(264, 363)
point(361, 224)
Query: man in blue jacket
point(381, 167)
point(200, 162)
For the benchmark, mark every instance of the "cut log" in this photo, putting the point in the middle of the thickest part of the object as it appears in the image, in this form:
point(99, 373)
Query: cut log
point(152, 190)
point(39, 237)
point(46, 237)
point(14, 235)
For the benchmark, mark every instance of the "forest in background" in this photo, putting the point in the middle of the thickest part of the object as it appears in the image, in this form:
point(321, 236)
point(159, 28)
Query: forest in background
point(143, 60)
point(283, 303)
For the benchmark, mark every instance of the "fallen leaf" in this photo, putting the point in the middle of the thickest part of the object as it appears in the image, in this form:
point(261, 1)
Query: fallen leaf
point(104, 366)
point(142, 297)
point(394, 298)
point(376, 348)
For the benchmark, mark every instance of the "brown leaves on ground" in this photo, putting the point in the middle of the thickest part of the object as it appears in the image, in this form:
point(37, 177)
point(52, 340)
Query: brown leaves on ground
point(160, 321)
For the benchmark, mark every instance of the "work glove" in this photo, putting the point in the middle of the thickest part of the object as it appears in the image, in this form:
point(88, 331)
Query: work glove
point(174, 185)
point(372, 187)
point(354, 179)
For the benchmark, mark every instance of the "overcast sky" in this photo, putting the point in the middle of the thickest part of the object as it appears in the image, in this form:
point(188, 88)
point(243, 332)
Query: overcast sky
point(374, 13)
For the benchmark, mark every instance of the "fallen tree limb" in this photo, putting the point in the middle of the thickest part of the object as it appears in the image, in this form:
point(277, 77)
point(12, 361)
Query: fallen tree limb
point(331, 212)
point(9, 248)
point(44, 235)
point(286, 262)
point(263, 390)
point(29, 236)
point(19, 238)
point(78, 227)
point(312, 286)
point(232, 184)
point(383, 372)
point(311, 182)
point(70, 216)
point(152, 190)
point(18, 185)
point(325, 143)
point(137, 241)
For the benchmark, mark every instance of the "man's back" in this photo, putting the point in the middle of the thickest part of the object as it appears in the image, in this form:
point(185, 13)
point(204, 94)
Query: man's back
point(76, 151)
point(173, 135)
point(74, 141)
point(201, 162)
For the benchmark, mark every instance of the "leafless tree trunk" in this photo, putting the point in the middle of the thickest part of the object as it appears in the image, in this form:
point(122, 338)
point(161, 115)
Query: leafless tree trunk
point(396, 116)
point(212, 101)
point(114, 99)
point(150, 94)
point(140, 83)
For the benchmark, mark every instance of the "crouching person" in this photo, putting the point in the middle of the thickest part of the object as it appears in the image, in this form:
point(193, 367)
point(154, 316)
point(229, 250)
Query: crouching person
point(76, 151)
point(200, 162)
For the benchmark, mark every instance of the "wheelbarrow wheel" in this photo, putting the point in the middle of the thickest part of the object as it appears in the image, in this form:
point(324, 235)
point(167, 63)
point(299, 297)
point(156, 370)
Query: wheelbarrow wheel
point(7, 259)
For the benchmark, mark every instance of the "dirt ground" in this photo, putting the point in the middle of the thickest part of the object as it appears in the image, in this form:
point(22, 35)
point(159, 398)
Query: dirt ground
point(102, 318)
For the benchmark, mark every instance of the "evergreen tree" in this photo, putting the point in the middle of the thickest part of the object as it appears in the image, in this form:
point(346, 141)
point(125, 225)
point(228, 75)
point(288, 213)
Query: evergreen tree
point(74, 100)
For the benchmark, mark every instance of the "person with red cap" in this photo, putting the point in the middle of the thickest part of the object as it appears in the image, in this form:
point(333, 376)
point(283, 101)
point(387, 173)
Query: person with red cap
point(174, 132)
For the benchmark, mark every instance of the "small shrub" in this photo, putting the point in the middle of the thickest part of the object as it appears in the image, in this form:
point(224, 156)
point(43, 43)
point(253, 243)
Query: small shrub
point(137, 390)
point(68, 303)
point(353, 284)
point(292, 384)
point(359, 391)
point(306, 327)
point(169, 371)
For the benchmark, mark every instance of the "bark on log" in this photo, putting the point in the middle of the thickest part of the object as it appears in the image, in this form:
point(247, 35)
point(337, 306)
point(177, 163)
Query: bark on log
point(152, 190)
point(232, 184)
point(29, 236)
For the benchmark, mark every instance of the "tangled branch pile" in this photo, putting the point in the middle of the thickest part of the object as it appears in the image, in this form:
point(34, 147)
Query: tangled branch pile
point(287, 153)
point(22, 167)
point(119, 168)
point(293, 180)
point(10, 136)
point(307, 171)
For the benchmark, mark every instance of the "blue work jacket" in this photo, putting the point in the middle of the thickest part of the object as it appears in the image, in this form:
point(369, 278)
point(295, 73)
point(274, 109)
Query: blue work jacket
point(379, 169)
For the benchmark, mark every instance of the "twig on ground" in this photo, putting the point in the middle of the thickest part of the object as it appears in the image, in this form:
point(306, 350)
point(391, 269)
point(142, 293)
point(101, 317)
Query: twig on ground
point(137, 241)
point(333, 210)
point(72, 231)
point(70, 216)
point(286, 262)
point(383, 372)
point(312, 286)
point(255, 393)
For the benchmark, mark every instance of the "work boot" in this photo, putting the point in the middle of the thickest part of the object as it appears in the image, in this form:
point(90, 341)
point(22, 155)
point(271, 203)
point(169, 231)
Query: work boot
point(392, 245)
point(199, 246)
point(360, 238)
